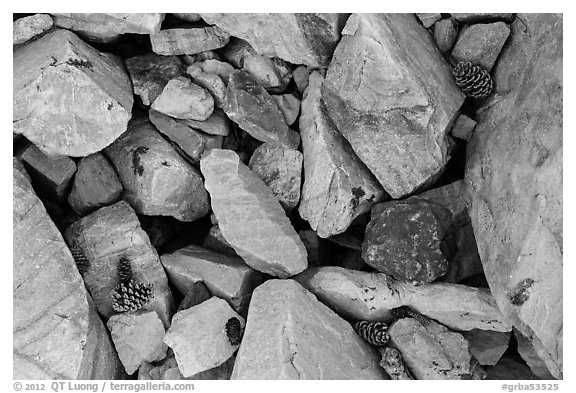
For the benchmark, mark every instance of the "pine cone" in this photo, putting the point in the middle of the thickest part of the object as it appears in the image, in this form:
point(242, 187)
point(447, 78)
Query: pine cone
point(407, 312)
point(124, 270)
point(373, 332)
point(82, 263)
point(473, 79)
point(233, 331)
point(131, 296)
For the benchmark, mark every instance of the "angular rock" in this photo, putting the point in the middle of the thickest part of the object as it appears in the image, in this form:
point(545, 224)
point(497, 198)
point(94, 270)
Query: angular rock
point(57, 333)
point(198, 336)
point(216, 124)
point(463, 128)
point(108, 234)
point(93, 93)
point(281, 169)
point(196, 294)
point(188, 17)
point(361, 295)
point(291, 335)
point(445, 33)
point(274, 74)
point(220, 68)
point(151, 72)
point(531, 357)
point(96, 184)
point(188, 41)
point(250, 217)
point(397, 111)
point(393, 363)
point(432, 351)
point(183, 99)
point(215, 241)
point(298, 38)
point(192, 142)
point(289, 105)
point(429, 19)
point(24, 29)
point(101, 27)
point(168, 370)
point(337, 186)
point(157, 180)
point(481, 43)
point(225, 276)
point(300, 76)
point(481, 17)
point(138, 338)
point(508, 368)
point(254, 110)
point(487, 346)
point(211, 82)
point(517, 213)
point(52, 174)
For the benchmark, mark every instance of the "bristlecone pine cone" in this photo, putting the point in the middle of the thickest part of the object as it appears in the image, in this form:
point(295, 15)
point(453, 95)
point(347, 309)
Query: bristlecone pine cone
point(124, 270)
point(373, 332)
point(474, 80)
point(233, 331)
point(131, 296)
point(82, 262)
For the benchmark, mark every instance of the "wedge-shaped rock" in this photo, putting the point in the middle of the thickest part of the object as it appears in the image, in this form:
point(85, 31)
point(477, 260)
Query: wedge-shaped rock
point(157, 180)
point(198, 336)
point(487, 346)
point(215, 241)
point(481, 43)
point(289, 105)
point(211, 82)
point(216, 124)
point(24, 29)
point(337, 185)
point(256, 112)
point(225, 276)
point(220, 68)
point(429, 19)
point(291, 335)
point(250, 217)
point(108, 234)
point(370, 296)
point(188, 41)
point(57, 333)
point(183, 99)
point(68, 98)
point(298, 38)
point(392, 95)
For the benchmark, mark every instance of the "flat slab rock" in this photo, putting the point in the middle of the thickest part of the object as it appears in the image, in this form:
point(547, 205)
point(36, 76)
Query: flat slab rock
point(57, 333)
point(397, 110)
point(188, 41)
point(157, 180)
point(250, 217)
point(306, 39)
point(24, 29)
point(105, 236)
point(337, 185)
point(517, 214)
point(291, 335)
point(93, 91)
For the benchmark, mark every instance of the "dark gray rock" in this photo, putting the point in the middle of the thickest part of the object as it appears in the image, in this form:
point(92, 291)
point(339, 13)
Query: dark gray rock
point(196, 294)
point(482, 17)
point(445, 33)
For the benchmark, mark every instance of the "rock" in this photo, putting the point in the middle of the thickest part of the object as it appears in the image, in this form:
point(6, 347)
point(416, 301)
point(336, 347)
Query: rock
point(25, 29)
point(188, 17)
point(104, 28)
point(405, 241)
point(198, 336)
point(531, 357)
point(108, 234)
point(306, 39)
point(156, 179)
point(216, 124)
point(481, 17)
point(368, 296)
point(429, 19)
point(57, 333)
point(188, 41)
point(289, 105)
point(393, 363)
point(151, 72)
point(481, 43)
point(274, 74)
point(216, 241)
point(291, 335)
point(183, 99)
point(92, 89)
point(432, 351)
point(96, 184)
point(248, 212)
point(337, 186)
point(225, 276)
point(211, 82)
point(254, 110)
point(508, 368)
point(300, 76)
point(192, 142)
point(168, 370)
point(137, 338)
point(281, 169)
point(517, 213)
point(445, 33)
point(463, 128)
point(195, 295)
point(220, 68)
point(487, 346)
point(51, 174)
point(401, 135)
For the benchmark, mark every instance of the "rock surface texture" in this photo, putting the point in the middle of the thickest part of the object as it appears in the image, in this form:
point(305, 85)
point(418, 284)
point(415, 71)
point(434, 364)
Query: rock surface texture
point(481, 43)
point(517, 213)
point(188, 41)
point(183, 99)
point(26, 28)
point(397, 110)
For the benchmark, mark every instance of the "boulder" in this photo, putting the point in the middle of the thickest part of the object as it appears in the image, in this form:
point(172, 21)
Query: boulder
point(274, 74)
point(429, 19)
point(168, 370)
point(216, 124)
point(220, 68)
point(195, 295)
point(25, 29)
point(215, 241)
point(93, 93)
point(397, 111)
point(487, 346)
point(291, 335)
point(300, 76)
point(188, 17)
point(481, 43)
point(183, 99)
point(445, 33)
point(463, 128)
point(188, 41)
point(211, 82)
point(289, 106)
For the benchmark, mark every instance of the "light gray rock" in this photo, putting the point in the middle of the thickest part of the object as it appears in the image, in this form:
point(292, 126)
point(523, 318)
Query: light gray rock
point(198, 336)
point(445, 33)
point(531, 357)
point(300, 76)
point(291, 335)
point(481, 43)
point(220, 68)
point(337, 185)
point(211, 82)
point(482, 17)
point(250, 217)
point(188, 41)
point(93, 93)
point(487, 346)
point(463, 127)
point(396, 112)
point(274, 74)
point(183, 99)
point(168, 370)
point(393, 363)
point(24, 29)
point(216, 124)
point(429, 19)
point(289, 105)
